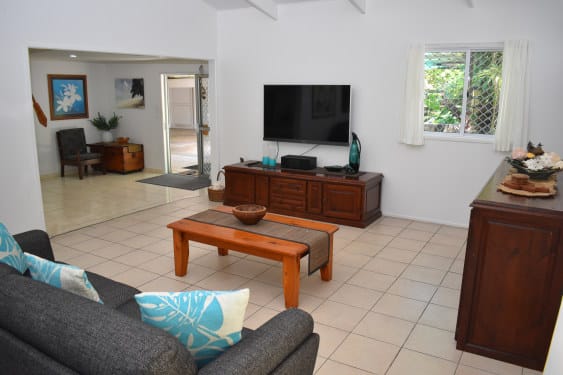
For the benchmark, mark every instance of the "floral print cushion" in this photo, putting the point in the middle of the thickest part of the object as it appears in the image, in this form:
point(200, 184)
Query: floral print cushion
point(206, 322)
point(10, 251)
point(63, 276)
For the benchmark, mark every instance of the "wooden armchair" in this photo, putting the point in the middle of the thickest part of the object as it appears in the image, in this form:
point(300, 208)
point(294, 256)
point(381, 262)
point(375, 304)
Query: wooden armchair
point(73, 151)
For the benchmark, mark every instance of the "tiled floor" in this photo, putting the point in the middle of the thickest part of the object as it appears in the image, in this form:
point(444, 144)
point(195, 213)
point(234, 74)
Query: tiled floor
point(390, 309)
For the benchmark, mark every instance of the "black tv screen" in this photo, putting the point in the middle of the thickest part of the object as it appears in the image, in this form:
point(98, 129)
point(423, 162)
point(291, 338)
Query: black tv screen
point(317, 114)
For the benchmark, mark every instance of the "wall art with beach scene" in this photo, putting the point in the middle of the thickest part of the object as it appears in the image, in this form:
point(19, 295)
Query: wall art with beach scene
point(130, 92)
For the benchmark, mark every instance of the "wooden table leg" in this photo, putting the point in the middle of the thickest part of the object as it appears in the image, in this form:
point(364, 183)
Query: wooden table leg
point(326, 271)
point(222, 252)
point(181, 253)
point(291, 266)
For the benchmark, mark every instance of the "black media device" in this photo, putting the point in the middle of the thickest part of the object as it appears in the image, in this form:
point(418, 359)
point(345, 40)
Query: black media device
point(298, 162)
point(316, 114)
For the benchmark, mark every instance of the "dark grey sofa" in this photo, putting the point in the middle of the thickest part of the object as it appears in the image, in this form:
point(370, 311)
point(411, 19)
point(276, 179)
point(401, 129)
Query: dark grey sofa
point(46, 330)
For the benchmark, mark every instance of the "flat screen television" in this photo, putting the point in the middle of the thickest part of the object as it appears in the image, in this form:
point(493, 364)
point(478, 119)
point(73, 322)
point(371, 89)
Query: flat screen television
point(317, 114)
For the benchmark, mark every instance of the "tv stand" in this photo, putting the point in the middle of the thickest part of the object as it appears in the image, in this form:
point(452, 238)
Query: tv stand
point(318, 194)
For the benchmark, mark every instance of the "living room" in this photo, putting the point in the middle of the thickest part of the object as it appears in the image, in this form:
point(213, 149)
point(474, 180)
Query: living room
point(328, 42)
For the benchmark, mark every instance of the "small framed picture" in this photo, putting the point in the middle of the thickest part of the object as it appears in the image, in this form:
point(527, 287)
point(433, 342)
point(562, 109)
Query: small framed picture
point(68, 96)
point(130, 92)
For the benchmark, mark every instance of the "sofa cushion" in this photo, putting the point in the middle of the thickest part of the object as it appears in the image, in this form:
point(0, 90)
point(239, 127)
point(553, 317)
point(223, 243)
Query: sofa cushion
point(86, 336)
point(62, 276)
point(113, 293)
point(10, 251)
point(206, 322)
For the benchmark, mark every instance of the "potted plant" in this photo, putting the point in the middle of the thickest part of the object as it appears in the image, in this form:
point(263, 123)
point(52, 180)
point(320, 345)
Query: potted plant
point(106, 125)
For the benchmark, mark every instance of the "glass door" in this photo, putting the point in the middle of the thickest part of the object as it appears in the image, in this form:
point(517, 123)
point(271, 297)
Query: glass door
point(202, 124)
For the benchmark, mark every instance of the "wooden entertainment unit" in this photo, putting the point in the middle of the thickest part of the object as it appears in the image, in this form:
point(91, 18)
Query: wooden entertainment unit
point(337, 197)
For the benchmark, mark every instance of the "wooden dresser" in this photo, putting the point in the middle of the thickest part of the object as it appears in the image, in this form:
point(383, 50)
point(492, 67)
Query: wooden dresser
point(122, 158)
point(314, 194)
point(513, 275)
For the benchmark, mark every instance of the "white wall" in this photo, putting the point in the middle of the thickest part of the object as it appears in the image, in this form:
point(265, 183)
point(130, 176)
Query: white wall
point(175, 28)
point(331, 42)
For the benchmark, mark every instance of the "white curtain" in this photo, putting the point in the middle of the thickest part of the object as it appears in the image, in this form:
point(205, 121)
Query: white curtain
point(512, 122)
point(412, 126)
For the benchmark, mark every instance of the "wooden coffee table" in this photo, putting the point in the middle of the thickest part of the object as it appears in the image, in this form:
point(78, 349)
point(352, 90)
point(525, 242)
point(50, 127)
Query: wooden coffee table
point(287, 252)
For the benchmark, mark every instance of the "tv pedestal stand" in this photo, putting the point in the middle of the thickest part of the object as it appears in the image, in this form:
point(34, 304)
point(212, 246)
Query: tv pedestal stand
point(337, 197)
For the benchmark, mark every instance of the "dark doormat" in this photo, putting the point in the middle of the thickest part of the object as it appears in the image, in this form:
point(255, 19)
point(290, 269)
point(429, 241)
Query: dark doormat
point(179, 181)
point(191, 167)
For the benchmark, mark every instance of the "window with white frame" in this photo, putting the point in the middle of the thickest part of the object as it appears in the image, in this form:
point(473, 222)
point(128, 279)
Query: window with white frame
point(462, 90)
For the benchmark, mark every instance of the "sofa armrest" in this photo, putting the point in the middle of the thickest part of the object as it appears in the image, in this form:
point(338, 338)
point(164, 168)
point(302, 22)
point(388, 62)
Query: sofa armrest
point(269, 346)
point(36, 242)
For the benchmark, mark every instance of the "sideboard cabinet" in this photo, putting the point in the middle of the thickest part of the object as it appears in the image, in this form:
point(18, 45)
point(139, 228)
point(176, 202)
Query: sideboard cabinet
point(513, 275)
point(316, 194)
point(118, 157)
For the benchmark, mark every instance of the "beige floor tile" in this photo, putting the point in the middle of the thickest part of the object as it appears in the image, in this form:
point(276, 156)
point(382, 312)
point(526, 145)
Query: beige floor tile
point(222, 281)
point(363, 248)
point(385, 266)
point(306, 302)
point(527, 371)
point(457, 266)
point(70, 239)
point(405, 244)
point(331, 338)
point(259, 317)
point(143, 228)
point(136, 257)
point(397, 255)
point(118, 235)
point(433, 261)
point(272, 275)
point(65, 254)
point(446, 297)
point(433, 341)
point(161, 232)
point(214, 261)
point(384, 328)
point(163, 247)
point(440, 317)
point(395, 222)
point(356, 296)
point(424, 274)
point(161, 265)
point(338, 315)
point(330, 367)
point(86, 261)
point(441, 250)
point(489, 364)
point(97, 230)
point(92, 245)
point(135, 277)
point(340, 273)
point(109, 268)
point(413, 234)
point(424, 226)
point(318, 363)
point(413, 289)
point(375, 239)
point(163, 284)
point(409, 362)
point(346, 258)
point(385, 229)
point(261, 293)
point(246, 268)
point(366, 354)
point(349, 233)
point(372, 280)
point(444, 239)
point(139, 241)
point(195, 273)
point(113, 251)
point(452, 281)
point(400, 307)
point(314, 286)
point(453, 231)
point(466, 370)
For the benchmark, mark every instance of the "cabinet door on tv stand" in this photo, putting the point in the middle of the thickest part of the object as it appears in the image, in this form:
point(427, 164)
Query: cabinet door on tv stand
point(262, 190)
point(239, 188)
point(342, 201)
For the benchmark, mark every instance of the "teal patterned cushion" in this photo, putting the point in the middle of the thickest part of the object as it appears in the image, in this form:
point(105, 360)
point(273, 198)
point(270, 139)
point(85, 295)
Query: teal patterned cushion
point(10, 251)
point(206, 322)
point(63, 276)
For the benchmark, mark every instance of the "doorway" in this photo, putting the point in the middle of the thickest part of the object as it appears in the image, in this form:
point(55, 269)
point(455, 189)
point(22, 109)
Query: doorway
point(185, 124)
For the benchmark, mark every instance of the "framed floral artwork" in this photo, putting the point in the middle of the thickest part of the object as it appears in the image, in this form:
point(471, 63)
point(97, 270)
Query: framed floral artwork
point(68, 96)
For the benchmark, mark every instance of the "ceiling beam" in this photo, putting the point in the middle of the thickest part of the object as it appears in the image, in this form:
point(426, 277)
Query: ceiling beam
point(471, 3)
point(360, 5)
point(268, 7)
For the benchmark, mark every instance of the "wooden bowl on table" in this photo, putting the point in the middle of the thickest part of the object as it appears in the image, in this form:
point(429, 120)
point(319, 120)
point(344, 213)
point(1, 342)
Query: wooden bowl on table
point(122, 140)
point(249, 214)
